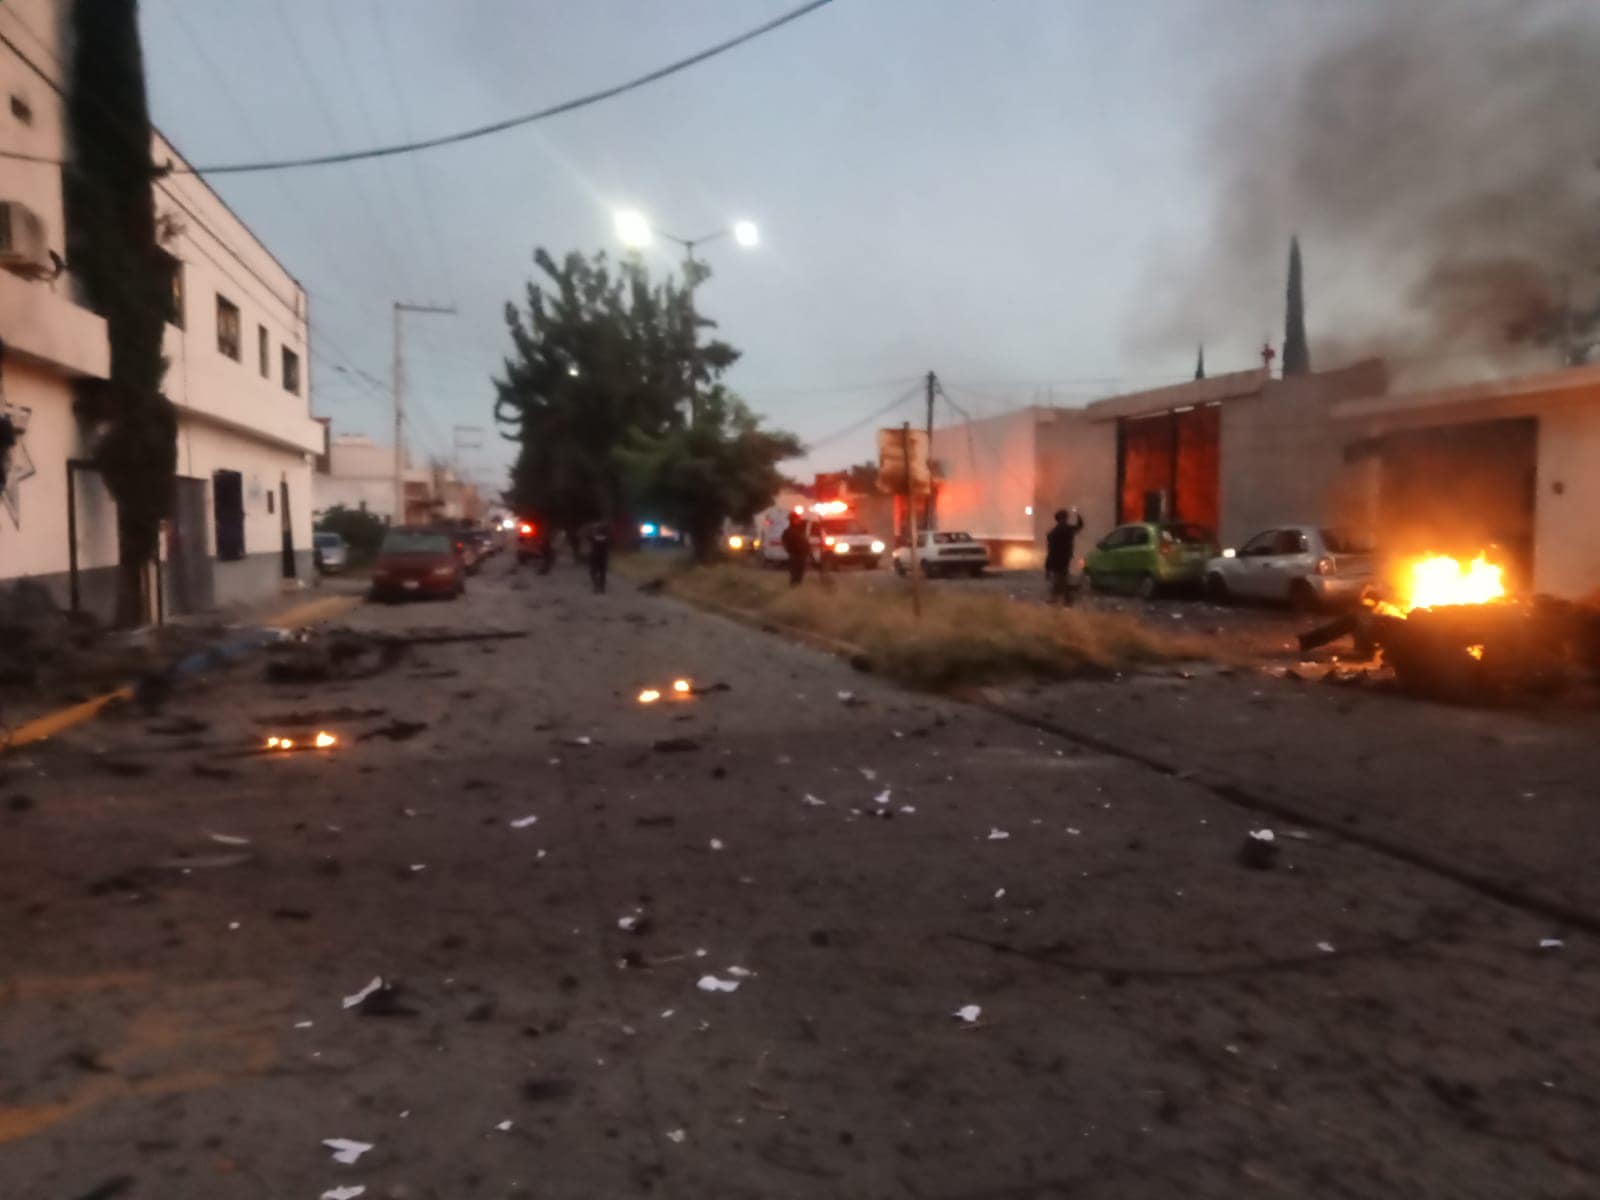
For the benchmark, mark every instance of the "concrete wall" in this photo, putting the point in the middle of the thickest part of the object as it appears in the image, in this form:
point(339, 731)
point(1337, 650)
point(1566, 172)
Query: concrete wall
point(1077, 467)
point(205, 449)
point(1567, 512)
point(988, 476)
point(1283, 458)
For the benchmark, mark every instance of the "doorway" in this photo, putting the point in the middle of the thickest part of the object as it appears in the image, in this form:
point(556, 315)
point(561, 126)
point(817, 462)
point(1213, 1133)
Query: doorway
point(188, 562)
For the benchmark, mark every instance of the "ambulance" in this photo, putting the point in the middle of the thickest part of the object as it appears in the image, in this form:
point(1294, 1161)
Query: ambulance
point(836, 534)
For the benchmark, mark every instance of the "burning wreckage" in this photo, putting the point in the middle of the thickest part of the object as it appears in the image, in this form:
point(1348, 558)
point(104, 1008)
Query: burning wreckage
point(1451, 630)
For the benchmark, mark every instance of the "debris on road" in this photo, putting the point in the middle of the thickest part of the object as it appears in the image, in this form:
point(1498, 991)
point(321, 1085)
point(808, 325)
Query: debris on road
point(676, 1136)
point(344, 1193)
point(356, 998)
point(228, 839)
point(1551, 943)
point(716, 844)
point(997, 835)
point(710, 983)
point(504, 1127)
point(675, 745)
point(1325, 947)
point(346, 1150)
point(868, 774)
point(882, 797)
point(524, 822)
point(812, 801)
point(968, 1013)
point(1259, 851)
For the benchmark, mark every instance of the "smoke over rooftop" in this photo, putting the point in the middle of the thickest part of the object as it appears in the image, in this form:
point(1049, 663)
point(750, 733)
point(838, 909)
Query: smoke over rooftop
point(1439, 162)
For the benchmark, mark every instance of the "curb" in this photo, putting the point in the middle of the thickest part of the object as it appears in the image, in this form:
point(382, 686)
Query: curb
point(323, 608)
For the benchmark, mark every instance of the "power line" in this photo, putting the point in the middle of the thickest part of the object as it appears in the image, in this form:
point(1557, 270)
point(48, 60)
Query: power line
point(856, 426)
point(500, 126)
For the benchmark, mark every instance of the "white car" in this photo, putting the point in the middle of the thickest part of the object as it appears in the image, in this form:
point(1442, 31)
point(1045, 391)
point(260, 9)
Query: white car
point(944, 553)
point(1305, 566)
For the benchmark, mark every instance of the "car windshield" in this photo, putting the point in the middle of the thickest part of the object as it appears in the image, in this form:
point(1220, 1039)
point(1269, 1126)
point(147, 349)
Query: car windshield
point(327, 541)
point(1194, 535)
point(840, 525)
point(1343, 541)
point(415, 541)
point(952, 537)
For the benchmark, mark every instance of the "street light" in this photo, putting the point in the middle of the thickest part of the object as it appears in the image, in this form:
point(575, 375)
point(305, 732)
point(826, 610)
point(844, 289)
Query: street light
point(635, 232)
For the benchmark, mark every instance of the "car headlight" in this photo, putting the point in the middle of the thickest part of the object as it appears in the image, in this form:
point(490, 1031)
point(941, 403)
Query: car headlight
point(841, 548)
point(877, 547)
point(736, 542)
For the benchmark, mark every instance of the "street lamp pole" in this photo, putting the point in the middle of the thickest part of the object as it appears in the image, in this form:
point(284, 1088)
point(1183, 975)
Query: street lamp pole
point(636, 232)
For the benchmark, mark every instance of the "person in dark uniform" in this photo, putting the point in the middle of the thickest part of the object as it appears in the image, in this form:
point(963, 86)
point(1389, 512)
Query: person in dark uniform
point(798, 547)
point(1060, 543)
point(599, 554)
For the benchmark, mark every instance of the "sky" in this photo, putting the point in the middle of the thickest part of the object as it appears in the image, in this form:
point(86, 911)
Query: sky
point(991, 190)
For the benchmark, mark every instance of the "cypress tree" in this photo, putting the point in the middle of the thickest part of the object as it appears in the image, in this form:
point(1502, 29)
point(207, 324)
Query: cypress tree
point(1296, 350)
point(1200, 363)
point(113, 250)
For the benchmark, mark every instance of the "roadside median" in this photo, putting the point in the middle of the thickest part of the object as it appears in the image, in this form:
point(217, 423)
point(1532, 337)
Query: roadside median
point(961, 639)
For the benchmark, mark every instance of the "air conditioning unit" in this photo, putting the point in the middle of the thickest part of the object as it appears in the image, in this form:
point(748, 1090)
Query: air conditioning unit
point(23, 250)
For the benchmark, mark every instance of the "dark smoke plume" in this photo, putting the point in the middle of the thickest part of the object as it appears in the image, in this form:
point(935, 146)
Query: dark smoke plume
point(1439, 160)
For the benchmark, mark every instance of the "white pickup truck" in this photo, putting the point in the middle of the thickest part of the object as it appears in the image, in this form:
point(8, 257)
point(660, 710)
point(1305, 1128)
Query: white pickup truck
point(942, 552)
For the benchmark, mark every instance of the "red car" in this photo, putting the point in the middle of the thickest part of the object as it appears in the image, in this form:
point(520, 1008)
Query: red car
point(418, 562)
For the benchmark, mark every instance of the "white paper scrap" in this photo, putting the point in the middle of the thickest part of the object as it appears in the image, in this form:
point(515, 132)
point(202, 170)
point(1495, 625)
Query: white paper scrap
point(352, 1001)
point(1325, 947)
point(344, 1193)
point(740, 972)
point(524, 822)
point(1551, 943)
point(710, 983)
point(228, 839)
point(808, 798)
point(1262, 835)
point(867, 773)
point(504, 1127)
point(676, 1136)
point(882, 797)
point(968, 1013)
point(345, 1150)
point(716, 843)
point(998, 835)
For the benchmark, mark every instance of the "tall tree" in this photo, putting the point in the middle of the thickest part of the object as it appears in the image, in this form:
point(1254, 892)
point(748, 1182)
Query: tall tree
point(723, 465)
point(113, 251)
point(596, 354)
point(1296, 350)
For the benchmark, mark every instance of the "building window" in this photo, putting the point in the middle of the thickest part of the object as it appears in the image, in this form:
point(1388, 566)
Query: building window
point(264, 351)
point(21, 109)
point(227, 508)
point(291, 371)
point(173, 268)
point(228, 328)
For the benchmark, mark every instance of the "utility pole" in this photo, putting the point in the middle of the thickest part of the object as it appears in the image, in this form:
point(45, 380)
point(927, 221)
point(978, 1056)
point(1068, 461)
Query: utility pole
point(399, 390)
point(933, 383)
point(458, 443)
point(911, 522)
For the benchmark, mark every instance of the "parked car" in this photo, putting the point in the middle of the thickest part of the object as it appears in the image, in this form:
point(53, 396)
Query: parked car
point(467, 549)
point(529, 541)
point(329, 552)
point(944, 552)
point(488, 542)
point(418, 562)
point(1146, 557)
point(1305, 566)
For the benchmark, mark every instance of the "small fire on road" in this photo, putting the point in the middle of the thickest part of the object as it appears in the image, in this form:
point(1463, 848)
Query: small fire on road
point(323, 740)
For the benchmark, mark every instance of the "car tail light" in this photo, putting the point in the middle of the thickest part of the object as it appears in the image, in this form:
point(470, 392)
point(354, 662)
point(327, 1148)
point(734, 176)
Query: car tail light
point(526, 528)
point(827, 541)
point(1324, 566)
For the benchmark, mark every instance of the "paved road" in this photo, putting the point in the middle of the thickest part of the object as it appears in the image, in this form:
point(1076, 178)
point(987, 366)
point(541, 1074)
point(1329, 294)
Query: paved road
point(1154, 1019)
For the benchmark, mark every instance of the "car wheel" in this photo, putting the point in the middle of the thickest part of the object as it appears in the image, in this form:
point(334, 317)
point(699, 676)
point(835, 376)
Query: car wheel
point(899, 568)
point(1217, 588)
point(977, 572)
point(1148, 588)
point(1094, 581)
point(1303, 597)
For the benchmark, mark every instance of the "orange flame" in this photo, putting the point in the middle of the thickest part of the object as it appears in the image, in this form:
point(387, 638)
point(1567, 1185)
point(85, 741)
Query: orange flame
point(325, 739)
point(1437, 580)
point(649, 696)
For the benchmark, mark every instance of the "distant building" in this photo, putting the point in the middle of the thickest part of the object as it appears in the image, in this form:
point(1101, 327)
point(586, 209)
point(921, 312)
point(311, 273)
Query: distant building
point(360, 476)
point(238, 353)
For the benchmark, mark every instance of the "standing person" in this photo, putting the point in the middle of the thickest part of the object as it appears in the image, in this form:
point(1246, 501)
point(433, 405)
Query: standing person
point(1060, 543)
point(599, 554)
point(798, 547)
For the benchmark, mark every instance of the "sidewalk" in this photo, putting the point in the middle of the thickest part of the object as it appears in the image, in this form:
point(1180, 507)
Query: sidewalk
point(288, 611)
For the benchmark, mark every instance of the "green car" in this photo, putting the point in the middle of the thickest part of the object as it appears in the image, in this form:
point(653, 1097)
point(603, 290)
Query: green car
point(1147, 557)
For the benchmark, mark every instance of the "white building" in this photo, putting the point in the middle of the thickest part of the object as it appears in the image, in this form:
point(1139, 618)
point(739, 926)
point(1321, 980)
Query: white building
point(359, 475)
point(237, 348)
